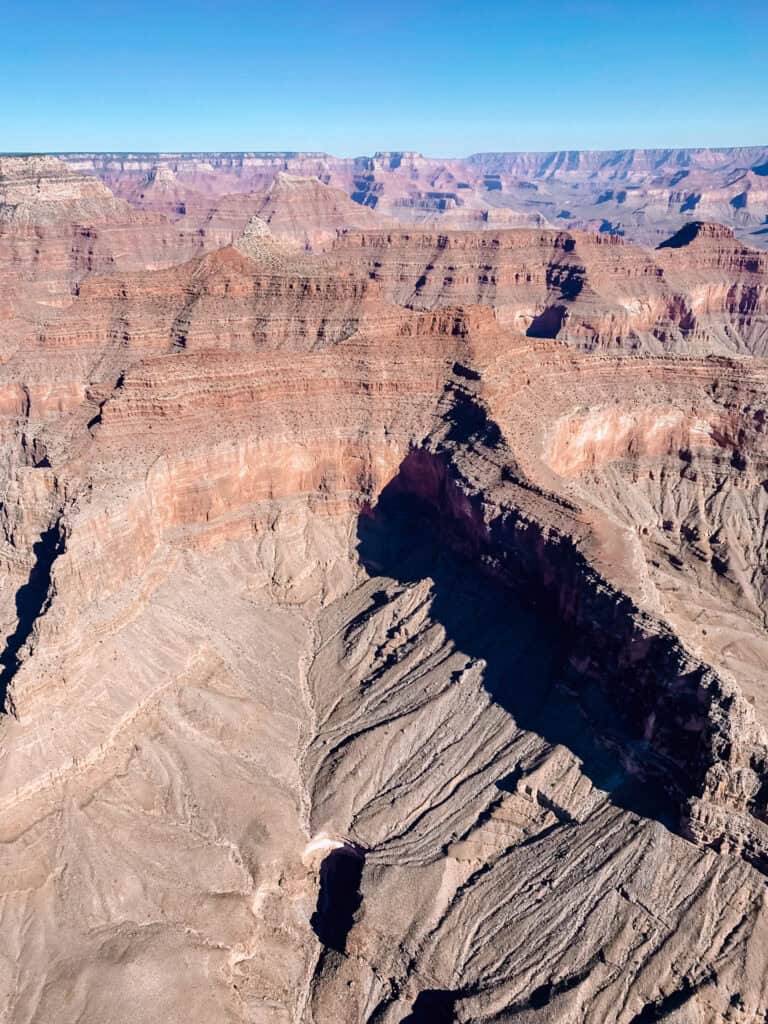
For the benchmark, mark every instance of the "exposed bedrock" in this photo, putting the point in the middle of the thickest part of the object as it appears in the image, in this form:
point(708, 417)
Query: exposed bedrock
point(594, 291)
point(687, 728)
point(479, 761)
point(594, 439)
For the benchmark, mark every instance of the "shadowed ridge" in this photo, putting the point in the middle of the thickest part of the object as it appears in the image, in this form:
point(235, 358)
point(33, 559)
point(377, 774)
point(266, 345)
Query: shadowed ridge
point(696, 229)
point(525, 648)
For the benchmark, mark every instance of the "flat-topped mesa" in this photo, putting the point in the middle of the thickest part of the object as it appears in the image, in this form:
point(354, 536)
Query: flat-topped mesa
point(44, 178)
point(307, 214)
point(50, 218)
point(621, 164)
point(160, 190)
point(203, 174)
point(42, 190)
point(161, 175)
point(391, 160)
point(698, 230)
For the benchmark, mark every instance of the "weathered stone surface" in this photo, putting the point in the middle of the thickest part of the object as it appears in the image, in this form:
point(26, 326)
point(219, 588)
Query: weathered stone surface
point(702, 292)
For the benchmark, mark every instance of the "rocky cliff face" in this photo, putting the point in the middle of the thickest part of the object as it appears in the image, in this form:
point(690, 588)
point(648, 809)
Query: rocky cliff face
point(643, 195)
point(378, 645)
point(57, 227)
point(702, 291)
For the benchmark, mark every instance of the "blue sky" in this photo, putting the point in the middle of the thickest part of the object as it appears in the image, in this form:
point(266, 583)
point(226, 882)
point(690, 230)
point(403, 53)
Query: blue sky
point(446, 78)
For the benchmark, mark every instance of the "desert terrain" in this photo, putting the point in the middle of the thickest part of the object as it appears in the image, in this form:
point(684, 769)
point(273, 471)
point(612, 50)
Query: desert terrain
point(384, 564)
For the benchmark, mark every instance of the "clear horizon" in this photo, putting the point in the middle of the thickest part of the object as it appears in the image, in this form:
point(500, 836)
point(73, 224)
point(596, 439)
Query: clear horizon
point(353, 156)
point(445, 79)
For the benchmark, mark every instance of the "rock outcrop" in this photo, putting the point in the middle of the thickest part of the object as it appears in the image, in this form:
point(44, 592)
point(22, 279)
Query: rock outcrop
point(307, 214)
point(701, 292)
point(57, 227)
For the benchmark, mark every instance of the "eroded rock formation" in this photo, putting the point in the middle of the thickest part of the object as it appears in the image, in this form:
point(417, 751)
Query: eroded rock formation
point(380, 646)
point(643, 195)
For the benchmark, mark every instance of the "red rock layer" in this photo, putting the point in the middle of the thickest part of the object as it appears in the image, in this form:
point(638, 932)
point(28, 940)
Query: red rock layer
point(595, 291)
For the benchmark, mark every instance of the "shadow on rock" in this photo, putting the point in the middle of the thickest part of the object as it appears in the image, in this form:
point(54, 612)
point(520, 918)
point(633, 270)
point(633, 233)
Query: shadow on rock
point(30, 603)
point(433, 1006)
point(339, 897)
point(527, 670)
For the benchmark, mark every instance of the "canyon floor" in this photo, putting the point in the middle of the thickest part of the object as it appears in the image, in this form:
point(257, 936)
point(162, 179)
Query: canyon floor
point(384, 590)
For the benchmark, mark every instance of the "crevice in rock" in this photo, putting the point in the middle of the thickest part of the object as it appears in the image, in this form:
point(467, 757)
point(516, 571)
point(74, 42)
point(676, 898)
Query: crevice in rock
point(433, 1006)
point(96, 419)
point(543, 995)
point(339, 897)
point(31, 602)
point(568, 280)
point(549, 322)
point(469, 421)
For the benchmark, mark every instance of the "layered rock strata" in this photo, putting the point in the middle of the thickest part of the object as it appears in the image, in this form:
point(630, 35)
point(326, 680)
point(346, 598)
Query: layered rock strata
point(701, 292)
point(370, 660)
point(643, 195)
